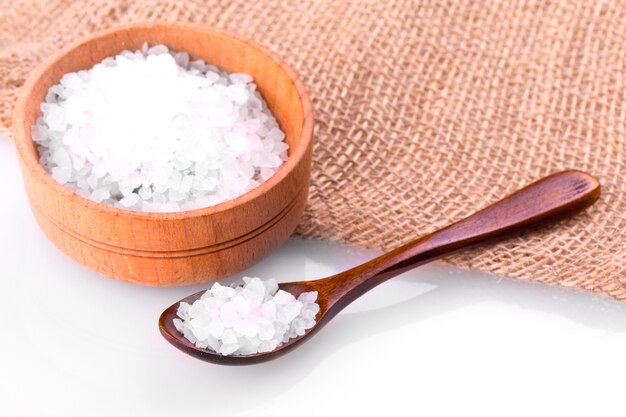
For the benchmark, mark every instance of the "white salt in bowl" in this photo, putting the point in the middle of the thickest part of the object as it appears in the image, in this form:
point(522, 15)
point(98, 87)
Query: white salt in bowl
point(183, 247)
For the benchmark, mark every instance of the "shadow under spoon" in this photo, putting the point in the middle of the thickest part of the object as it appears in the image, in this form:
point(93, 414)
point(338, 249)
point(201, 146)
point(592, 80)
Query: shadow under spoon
point(548, 199)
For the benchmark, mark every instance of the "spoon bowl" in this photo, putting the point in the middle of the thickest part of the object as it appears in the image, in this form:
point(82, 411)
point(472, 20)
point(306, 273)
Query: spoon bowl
point(166, 326)
point(549, 199)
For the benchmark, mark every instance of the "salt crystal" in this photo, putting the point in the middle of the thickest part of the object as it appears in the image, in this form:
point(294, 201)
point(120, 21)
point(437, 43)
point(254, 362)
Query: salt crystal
point(213, 343)
point(308, 297)
point(130, 200)
point(299, 326)
point(227, 293)
point(248, 347)
point(167, 132)
point(240, 78)
point(60, 157)
point(268, 310)
point(178, 324)
point(196, 309)
point(276, 135)
point(189, 334)
point(255, 291)
point(203, 344)
point(157, 50)
point(216, 290)
point(267, 347)
point(228, 349)
point(199, 329)
point(229, 336)
point(247, 328)
point(182, 59)
point(40, 133)
point(271, 286)
point(266, 330)
point(78, 162)
point(61, 174)
point(145, 193)
point(241, 304)
point(256, 317)
point(288, 312)
point(283, 297)
point(266, 173)
point(100, 194)
point(228, 314)
point(183, 311)
point(54, 117)
point(215, 328)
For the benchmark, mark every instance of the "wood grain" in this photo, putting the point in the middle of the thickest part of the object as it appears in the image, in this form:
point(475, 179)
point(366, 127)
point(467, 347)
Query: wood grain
point(548, 199)
point(173, 248)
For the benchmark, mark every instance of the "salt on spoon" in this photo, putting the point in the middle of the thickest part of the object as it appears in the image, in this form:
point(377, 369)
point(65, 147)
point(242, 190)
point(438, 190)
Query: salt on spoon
point(550, 198)
point(253, 318)
point(153, 130)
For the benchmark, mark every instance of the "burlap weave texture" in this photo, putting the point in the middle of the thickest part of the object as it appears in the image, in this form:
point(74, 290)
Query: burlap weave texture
point(424, 110)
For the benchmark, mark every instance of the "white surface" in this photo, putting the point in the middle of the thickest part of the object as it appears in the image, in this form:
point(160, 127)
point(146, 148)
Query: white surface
point(431, 342)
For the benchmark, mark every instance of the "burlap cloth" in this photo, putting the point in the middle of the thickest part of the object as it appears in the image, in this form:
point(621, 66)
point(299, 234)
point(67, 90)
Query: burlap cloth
point(425, 111)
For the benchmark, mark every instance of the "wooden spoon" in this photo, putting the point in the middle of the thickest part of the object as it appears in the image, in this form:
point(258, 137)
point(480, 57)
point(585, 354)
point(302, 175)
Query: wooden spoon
point(550, 198)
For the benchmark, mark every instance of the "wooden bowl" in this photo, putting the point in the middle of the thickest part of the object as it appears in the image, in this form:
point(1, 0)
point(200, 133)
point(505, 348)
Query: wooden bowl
point(184, 247)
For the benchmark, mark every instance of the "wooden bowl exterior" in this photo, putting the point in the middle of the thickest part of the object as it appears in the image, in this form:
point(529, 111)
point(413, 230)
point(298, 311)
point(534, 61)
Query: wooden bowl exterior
point(173, 248)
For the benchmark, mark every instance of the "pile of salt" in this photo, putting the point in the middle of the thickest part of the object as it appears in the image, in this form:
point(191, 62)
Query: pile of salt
point(256, 317)
point(153, 131)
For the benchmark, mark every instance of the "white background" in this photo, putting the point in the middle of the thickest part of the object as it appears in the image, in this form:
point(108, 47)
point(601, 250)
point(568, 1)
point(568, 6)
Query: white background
point(434, 341)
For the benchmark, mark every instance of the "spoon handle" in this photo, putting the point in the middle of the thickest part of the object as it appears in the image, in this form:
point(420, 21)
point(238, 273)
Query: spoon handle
point(550, 198)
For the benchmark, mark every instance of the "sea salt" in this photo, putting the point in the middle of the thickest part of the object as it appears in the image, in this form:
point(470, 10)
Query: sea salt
point(251, 318)
point(152, 130)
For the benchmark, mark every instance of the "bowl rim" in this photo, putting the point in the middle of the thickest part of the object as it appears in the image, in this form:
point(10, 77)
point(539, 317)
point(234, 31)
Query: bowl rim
point(22, 139)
